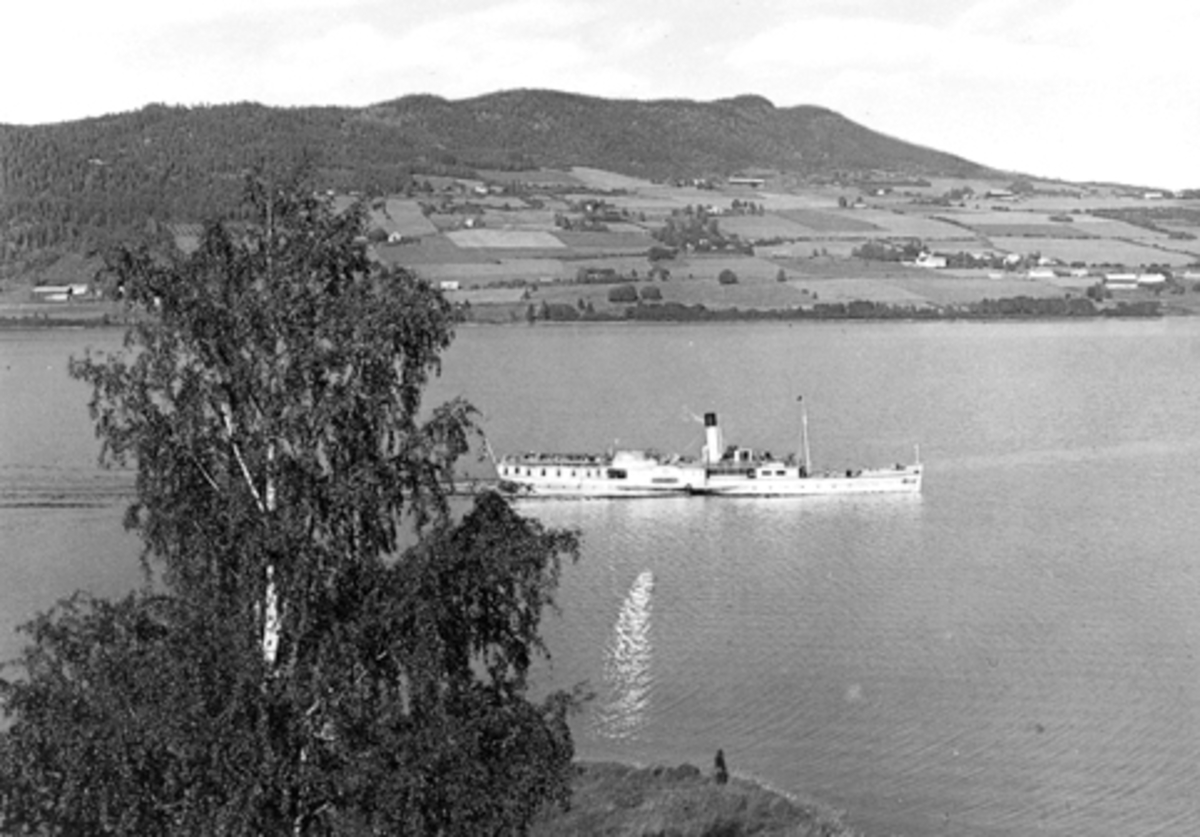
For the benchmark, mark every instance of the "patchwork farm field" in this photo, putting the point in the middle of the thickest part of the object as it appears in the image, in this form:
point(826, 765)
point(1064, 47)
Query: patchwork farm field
point(748, 269)
point(430, 249)
point(823, 222)
point(500, 271)
point(937, 289)
point(887, 291)
point(505, 239)
point(833, 267)
point(1096, 251)
point(917, 292)
point(530, 219)
point(607, 180)
point(997, 217)
point(403, 216)
point(896, 224)
point(657, 202)
point(776, 202)
point(1108, 228)
point(707, 292)
point(487, 296)
point(532, 243)
point(755, 227)
point(591, 242)
point(1045, 230)
point(836, 248)
point(762, 296)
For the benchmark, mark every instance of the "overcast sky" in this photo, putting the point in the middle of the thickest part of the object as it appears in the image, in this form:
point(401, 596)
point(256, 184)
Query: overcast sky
point(1077, 89)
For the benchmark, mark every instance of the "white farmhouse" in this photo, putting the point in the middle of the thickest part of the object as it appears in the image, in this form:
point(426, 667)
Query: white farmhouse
point(61, 293)
point(928, 260)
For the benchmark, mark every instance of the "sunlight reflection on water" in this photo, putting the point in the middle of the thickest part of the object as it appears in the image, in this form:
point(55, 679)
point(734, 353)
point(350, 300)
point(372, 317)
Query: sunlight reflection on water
point(628, 658)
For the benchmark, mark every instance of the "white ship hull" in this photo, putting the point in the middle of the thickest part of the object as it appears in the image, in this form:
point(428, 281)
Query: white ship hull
point(719, 472)
point(901, 480)
point(560, 480)
point(623, 474)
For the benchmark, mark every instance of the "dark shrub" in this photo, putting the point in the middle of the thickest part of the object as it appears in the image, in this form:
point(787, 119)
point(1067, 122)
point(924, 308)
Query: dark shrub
point(623, 293)
point(559, 311)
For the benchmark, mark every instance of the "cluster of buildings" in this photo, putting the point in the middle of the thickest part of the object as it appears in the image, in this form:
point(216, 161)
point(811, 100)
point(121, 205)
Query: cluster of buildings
point(1051, 270)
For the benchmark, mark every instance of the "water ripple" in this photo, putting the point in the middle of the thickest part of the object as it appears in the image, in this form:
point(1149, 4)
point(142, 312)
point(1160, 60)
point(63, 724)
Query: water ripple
point(30, 486)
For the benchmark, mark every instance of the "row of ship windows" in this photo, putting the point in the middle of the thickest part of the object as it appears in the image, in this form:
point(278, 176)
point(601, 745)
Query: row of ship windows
point(611, 473)
point(615, 473)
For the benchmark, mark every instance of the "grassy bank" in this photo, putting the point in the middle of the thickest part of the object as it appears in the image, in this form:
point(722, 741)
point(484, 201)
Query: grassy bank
point(618, 800)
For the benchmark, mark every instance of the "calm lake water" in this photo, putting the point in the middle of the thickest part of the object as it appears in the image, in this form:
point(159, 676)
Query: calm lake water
point(1013, 652)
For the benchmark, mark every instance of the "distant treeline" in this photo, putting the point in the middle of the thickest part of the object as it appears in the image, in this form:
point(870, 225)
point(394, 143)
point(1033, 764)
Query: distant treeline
point(1021, 307)
point(85, 184)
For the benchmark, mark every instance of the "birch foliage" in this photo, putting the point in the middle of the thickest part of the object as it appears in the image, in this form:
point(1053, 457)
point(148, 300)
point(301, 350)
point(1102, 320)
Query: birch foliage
point(294, 670)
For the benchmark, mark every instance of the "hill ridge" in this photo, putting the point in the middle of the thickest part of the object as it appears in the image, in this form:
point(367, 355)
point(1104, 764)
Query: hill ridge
point(84, 182)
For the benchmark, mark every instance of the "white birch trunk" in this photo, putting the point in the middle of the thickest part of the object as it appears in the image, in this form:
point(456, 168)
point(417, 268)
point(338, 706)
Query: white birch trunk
point(272, 618)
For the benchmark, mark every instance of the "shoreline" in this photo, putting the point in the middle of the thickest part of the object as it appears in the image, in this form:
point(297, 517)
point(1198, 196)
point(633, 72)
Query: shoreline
point(108, 319)
point(619, 798)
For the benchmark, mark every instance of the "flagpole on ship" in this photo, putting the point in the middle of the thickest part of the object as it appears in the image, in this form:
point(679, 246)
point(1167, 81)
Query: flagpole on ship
point(804, 436)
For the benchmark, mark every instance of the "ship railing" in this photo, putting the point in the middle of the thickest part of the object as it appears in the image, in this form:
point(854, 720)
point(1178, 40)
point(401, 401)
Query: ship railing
point(543, 458)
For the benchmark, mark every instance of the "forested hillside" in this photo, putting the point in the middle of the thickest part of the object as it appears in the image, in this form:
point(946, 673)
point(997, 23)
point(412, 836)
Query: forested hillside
point(79, 183)
point(657, 139)
point(76, 185)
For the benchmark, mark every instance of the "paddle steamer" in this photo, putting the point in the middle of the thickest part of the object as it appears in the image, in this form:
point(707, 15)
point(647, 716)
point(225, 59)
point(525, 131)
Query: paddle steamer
point(731, 471)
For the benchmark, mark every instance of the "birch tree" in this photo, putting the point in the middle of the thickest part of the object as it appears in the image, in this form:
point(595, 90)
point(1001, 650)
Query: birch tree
point(293, 670)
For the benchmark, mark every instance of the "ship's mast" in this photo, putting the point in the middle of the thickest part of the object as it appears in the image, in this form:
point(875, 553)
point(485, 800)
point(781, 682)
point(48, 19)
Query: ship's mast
point(804, 436)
